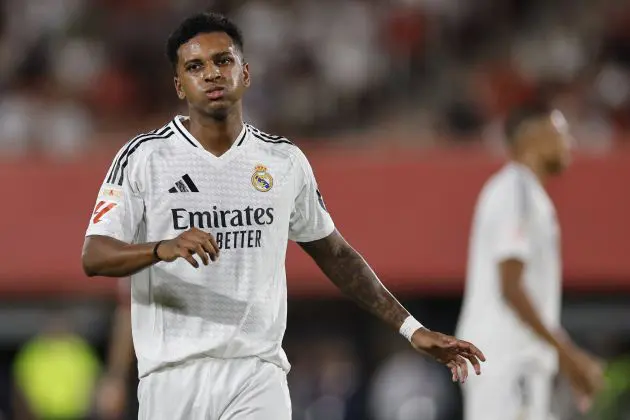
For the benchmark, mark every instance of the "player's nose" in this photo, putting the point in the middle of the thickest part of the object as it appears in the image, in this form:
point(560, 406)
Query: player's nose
point(212, 74)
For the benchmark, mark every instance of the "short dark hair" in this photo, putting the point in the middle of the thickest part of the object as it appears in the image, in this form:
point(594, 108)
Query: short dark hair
point(201, 23)
point(522, 114)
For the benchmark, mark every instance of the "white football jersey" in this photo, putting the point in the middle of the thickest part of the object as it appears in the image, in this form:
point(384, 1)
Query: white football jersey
point(253, 199)
point(514, 218)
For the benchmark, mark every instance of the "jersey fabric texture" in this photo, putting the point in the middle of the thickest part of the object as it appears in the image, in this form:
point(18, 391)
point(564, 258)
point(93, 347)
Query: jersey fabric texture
point(514, 218)
point(253, 199)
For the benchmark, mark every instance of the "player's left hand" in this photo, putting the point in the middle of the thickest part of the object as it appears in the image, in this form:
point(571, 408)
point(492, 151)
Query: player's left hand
point(449, 351)
point(591, 368)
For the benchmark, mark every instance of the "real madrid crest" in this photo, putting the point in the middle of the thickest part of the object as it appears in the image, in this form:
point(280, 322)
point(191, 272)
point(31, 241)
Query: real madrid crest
point(261, 179)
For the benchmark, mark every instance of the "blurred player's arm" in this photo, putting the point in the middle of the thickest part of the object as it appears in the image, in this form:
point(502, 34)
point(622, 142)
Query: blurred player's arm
point(111, 396)
point(584, 372)
point(120, 353)
point(511, 271)
point(347, 269)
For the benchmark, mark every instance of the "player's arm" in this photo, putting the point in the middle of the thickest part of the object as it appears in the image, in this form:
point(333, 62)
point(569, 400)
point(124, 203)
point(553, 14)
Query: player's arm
point(109, 248)
point(511, 272)
point(110, 257)
point(347, 270)
point(345, 267)
point(313, 229)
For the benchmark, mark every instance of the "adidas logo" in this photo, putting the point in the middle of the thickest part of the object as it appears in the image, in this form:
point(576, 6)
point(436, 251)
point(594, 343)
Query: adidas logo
point(184, 185)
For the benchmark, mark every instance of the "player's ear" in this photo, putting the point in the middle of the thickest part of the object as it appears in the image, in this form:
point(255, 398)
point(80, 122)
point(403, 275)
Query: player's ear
point(246, 76)
point(178, 88)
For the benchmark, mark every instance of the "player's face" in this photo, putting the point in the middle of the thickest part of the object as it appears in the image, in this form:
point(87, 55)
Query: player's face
point(211, 74)
point(556, 151)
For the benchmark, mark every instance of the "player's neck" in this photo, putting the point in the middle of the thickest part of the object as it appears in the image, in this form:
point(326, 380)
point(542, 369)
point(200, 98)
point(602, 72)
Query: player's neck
point(215, 135)
point(534, 166)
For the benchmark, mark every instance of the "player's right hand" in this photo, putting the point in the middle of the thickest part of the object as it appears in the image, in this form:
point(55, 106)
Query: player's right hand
point(187, 244)
point(585, 373)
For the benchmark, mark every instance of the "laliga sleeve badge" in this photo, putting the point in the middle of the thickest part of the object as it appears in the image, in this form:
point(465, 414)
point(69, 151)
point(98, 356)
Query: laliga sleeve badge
point(261, 179)
point(101, 209)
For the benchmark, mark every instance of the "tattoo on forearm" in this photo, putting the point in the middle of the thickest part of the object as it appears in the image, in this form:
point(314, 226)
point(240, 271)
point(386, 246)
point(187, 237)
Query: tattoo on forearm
point(354, 277)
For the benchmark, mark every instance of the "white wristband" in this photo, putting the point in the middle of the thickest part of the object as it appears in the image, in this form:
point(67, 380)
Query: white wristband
point(410, 326)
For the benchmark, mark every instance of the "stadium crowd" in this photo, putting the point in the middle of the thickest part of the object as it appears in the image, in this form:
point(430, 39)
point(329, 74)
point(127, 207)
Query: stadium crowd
point(75, 73)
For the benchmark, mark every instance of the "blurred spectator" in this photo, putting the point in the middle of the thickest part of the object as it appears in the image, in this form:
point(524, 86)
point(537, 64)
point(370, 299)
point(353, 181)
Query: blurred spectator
point(55, 374)
point(324, 377)
point(407, 387)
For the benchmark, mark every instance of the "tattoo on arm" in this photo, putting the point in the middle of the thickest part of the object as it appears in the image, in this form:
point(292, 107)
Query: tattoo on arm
point(353, 276)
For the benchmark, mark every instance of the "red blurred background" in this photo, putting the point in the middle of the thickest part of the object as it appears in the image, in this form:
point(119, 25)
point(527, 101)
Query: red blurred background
point(407, 212)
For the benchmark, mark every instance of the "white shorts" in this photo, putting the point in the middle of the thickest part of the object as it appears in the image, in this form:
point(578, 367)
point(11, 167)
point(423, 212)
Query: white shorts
point(510, 393)
point(216, 389)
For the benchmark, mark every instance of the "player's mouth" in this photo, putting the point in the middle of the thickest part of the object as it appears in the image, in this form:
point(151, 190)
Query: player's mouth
point(215, 93)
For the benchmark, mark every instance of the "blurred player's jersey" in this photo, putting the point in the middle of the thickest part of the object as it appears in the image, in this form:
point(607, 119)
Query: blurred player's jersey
point(514, 218)
point(253, 198)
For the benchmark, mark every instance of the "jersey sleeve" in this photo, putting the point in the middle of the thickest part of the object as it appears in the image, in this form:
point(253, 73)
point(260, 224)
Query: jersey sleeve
point(310, 219)
point(119, 205)
point(511, 238)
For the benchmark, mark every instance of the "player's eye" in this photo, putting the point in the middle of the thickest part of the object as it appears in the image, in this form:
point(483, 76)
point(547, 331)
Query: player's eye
point(225, 60)
point(193, 67)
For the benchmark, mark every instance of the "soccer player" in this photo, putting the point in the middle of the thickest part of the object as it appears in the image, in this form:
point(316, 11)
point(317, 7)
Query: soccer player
point(199, 212)
point(512, 300)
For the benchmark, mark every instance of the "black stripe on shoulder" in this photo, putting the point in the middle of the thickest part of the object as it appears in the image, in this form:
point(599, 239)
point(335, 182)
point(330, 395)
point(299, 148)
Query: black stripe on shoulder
point(266, 140)
point(266, 135)
point(165, 136)
point(270, 136)
point(116, 167)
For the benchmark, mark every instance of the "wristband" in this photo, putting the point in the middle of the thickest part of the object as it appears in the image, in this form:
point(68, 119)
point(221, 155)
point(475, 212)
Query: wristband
point(155, 253)
point(410, 326)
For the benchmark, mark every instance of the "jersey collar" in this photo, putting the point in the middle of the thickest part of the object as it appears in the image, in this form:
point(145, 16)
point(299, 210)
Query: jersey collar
point(185, 135)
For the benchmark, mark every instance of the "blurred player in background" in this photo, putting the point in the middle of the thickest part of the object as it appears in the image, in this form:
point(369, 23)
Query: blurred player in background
point(198, 213)
point(512, 300)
